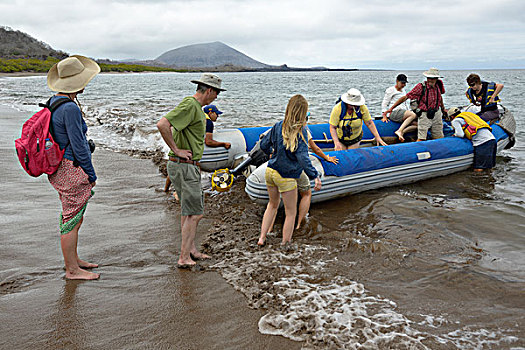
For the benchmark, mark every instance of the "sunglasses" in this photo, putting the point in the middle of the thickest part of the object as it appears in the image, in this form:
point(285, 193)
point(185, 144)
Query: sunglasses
point(307, 115)
point(472, 84)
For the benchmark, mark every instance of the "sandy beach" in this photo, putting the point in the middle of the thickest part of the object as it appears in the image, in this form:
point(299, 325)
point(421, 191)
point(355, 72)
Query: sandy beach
point(131, 229)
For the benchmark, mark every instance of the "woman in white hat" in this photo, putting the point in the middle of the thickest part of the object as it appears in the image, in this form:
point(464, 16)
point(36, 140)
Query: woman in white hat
point(75, 176)
point(346, 121)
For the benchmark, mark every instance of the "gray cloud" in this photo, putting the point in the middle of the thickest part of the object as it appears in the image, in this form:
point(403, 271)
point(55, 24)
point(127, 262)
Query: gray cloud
point(334, 33)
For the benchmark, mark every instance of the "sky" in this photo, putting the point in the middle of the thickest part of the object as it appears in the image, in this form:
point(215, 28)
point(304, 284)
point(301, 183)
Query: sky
point(365, 34)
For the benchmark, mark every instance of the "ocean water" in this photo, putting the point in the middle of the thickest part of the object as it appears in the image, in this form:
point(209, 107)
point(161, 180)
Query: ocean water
point(435, 264)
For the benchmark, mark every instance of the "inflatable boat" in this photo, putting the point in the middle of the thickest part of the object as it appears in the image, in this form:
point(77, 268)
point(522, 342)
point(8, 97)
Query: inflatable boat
point(244, 139)
point(374, 167)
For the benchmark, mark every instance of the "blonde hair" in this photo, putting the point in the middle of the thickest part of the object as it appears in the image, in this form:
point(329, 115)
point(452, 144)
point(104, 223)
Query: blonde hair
point(294, 121)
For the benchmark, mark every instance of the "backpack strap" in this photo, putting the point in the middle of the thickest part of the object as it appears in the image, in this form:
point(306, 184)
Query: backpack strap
point(52, 107)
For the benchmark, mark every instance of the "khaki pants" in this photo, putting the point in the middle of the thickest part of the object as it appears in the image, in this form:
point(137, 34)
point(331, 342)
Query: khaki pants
point(435, 125)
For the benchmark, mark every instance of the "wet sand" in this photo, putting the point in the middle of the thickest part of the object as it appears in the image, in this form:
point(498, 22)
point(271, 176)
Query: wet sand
point(132, 230)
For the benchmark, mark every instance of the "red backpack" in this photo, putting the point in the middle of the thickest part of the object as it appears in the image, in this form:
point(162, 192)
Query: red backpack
point(37, 150)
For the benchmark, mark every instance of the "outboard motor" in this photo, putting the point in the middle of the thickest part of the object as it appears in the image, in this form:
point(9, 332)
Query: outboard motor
point(255, 157)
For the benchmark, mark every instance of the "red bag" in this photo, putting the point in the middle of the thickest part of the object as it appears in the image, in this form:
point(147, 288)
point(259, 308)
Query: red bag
point(37, 150)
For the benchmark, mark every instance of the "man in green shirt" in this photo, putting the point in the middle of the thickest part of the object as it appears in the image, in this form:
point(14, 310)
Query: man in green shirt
point(186, 144)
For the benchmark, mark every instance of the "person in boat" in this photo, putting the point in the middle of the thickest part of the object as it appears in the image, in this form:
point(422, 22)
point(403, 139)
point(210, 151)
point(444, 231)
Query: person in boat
point(402, 113)
point(430, 105)
point(287, 142)
point(346, 121)
point(186, 144)
point(484, 94)
point(472, 127)
point(212, 113)
point(303, 184)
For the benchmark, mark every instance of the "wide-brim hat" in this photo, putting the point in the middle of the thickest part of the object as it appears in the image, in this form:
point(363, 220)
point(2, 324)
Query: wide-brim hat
point(72, 74)
point(432, 73)
point(452, 111)
point(353, 97)
point(210, 80)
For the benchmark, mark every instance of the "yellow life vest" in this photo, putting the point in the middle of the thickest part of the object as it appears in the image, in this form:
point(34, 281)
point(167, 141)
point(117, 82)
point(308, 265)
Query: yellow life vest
point(472, 124)
point(350, 125)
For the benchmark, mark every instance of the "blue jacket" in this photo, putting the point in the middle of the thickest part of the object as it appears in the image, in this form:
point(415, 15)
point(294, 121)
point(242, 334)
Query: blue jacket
point(288, 164)
point(69, 131)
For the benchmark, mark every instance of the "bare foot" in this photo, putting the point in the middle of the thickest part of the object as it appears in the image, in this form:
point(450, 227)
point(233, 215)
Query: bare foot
point(199, 256)
point(80, 274)
point(262, 240)
point(184, 263)
point(86, 265)
point(399, 135)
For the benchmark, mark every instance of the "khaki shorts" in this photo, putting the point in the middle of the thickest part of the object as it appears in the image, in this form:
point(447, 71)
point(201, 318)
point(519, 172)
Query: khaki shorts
point(303, 183)
point(435, 125)
point(186, 180)
point(274, 179)
point(397, 115)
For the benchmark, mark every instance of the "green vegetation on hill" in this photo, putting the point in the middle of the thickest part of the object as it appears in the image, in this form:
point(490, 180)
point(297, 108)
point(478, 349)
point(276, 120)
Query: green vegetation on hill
point(15, 65)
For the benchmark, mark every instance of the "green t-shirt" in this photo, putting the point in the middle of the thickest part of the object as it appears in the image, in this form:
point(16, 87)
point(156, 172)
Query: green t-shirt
point(189, 124)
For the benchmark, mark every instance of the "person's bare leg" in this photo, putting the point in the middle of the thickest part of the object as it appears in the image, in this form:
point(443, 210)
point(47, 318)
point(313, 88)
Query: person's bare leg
point(188, 230)
point(167, 184)
point(195, 253)
point(304, 205)
point(68, 243)
point(84, 264)
point(290, 210)
point(269, 213)
point(408, 118)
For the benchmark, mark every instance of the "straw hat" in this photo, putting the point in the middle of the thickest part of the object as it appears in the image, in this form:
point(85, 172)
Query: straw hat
point(452, 111)
point(432, 73)
point(72, 74)
point(210, 80)
point(353, 97)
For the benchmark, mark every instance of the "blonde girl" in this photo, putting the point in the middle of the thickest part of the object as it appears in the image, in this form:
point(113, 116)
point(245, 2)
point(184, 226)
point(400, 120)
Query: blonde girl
point(287, 142)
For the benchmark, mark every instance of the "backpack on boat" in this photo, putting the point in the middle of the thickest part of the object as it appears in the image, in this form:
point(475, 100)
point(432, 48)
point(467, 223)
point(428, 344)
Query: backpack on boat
point(36, 149)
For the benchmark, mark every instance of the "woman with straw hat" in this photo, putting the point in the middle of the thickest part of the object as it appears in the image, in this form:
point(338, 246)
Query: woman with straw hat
point(75, 177)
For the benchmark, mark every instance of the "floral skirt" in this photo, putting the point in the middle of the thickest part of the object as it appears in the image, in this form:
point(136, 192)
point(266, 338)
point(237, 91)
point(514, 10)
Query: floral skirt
point(74, 191)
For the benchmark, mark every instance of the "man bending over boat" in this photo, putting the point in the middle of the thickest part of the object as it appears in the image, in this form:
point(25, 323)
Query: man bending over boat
point(483, 94)
point(402, 113)
point(346, 121)
point(472, 127)
point(430, 105)
point(212, 113)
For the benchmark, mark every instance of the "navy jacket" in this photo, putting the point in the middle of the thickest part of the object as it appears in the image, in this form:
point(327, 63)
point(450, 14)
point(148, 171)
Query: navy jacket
point(69, 129)
point(288, 164)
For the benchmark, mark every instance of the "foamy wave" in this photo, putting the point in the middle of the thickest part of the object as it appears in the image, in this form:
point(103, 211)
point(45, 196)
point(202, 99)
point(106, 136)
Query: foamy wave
point(302, 306)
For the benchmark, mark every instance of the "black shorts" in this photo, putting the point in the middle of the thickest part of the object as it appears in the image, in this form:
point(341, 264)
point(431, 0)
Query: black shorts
point(485, 155)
